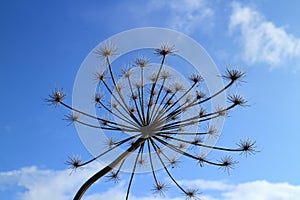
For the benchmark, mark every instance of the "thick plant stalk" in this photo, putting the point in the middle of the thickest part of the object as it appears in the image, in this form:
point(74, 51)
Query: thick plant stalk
point(108, 168)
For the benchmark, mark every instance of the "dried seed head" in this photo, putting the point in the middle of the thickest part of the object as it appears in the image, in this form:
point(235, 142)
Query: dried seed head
point(191, 194)
point(197, 140)
point(178, 87)
point(142, 62)
point(227, 163)
point(107, 50)
point(153, 77)
point(200, 95)
point(55, 97)
point(160, 188)
point(248, 147)
point(212, 131)
point(98, 98)
point(165, 75)
point(100, 76)
point(169, 90)
point(138, 85)
point(120, 87)
point(233, 75)
point(237, 100)
point(165, 50)
point(74, 162)
point(196, 78)
point(113, 176)
point(188, 99)
point(202, 112)
point(72, 118)
point(222, 112)
point(174, 162)
point(201, 159)
point(126, 72)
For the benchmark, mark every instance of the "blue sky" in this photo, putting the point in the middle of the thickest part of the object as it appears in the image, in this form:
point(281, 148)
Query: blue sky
point(44, 43)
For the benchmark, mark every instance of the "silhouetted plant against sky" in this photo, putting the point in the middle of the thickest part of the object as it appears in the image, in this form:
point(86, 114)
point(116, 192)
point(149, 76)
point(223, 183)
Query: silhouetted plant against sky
point(156, 118)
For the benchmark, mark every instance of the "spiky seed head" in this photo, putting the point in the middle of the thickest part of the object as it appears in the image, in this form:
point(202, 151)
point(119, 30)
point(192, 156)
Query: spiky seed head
point(98, 98)
point(142, 62)
point(100, 76)
point(72, 117)
point(197, 140)
point(113, 176)
point(200, 95)
point(165, 50)
point(165, 75)
point(237, 100)
point(174, 162)
point(233, 74)
point(169, 90)
point(196, 78)
point(212, 131)
point(227, 163)
point(74, 162)
point(120, 87)
point(126, 72)
point(106, 50)
point(55, 97)
point(202, 112)
point(178, 87)
point(247, 146)
point(188, 99)
point(138, 85)
point(191, 194)
point(160, 188)
point(222, 112)
point(201, 159)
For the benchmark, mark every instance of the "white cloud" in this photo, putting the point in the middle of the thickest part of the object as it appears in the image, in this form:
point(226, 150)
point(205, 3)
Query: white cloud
point(262, 41)
point(208, 185)
point(184, 15)
point(59, 185)
point(263, 190)
point(44, 184)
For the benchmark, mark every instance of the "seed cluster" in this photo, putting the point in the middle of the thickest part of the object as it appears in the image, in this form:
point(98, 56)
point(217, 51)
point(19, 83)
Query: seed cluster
point(155, 119)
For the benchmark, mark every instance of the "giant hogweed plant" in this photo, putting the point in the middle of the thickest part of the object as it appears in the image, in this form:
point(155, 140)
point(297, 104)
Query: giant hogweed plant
point(154, 119)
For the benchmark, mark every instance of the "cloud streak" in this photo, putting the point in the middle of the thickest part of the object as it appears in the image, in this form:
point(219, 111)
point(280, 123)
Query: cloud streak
point(58, 184)
point(262, 41)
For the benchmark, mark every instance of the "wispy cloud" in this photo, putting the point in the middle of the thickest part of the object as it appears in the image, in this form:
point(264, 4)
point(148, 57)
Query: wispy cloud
point(262, 41)
point(183, 15)
point(59, 185)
